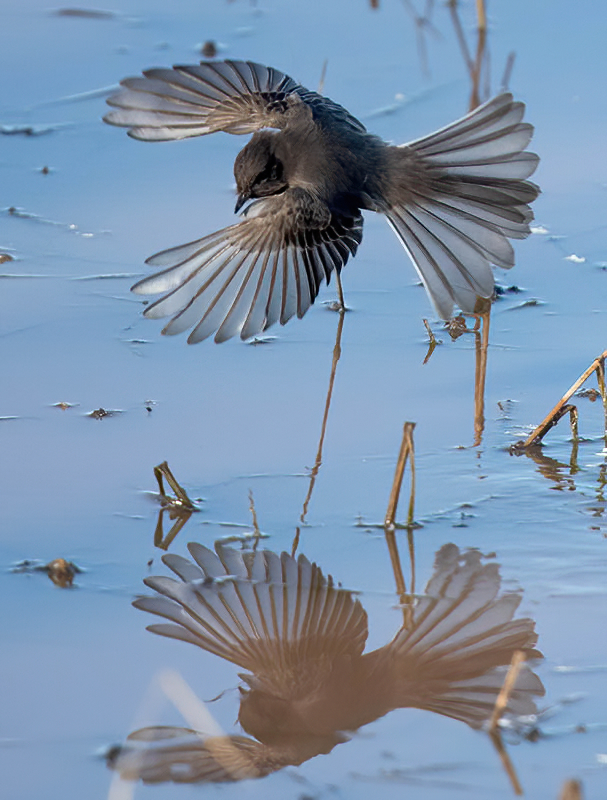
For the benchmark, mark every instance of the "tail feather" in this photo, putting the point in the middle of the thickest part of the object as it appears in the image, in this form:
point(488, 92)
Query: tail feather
point(457, 222)
point(462, 638)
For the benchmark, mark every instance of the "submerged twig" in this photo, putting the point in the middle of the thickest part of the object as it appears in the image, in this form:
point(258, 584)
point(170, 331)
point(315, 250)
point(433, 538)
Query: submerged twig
point(562, 407)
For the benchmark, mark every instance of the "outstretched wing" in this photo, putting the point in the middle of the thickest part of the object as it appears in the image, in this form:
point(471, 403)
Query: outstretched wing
point(160, 753)
point(192, 100)
point(276, 616)
point(245, 278)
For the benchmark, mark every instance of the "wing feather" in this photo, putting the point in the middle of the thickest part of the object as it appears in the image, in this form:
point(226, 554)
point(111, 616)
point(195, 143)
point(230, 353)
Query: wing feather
point(194, 100)
point(244, 278)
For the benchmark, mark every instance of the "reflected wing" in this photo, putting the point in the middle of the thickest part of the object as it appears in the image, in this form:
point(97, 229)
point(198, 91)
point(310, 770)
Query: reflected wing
point(455, 653)
point(273, 615)
point(470, 196)
point(161, 753)
point(232, 96)
point(245, 278)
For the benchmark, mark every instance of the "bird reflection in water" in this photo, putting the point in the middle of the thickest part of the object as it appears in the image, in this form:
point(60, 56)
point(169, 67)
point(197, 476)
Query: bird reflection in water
point(301, 638)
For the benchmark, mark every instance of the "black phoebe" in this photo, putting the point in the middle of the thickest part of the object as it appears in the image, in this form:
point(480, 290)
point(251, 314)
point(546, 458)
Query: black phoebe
point(301, 639)
point(453, 198)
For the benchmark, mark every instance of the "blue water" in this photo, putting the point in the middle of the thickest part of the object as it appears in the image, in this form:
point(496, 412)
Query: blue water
point(77, 665)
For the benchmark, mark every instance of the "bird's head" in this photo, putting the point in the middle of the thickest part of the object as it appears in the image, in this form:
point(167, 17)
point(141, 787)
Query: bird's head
point(258, 170)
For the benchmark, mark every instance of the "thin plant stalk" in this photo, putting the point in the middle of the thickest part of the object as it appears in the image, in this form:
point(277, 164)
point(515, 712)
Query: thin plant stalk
point(323, 429)
point(507, 764)
point(561, 408)
point(480, 376)
point(501, 702)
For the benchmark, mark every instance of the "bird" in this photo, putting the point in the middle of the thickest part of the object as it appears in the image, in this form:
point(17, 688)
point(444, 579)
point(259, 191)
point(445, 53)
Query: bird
point(309, 684)
point(453, 198)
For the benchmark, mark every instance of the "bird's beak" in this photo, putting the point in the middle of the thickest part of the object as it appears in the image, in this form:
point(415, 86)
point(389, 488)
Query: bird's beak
point(241, 200)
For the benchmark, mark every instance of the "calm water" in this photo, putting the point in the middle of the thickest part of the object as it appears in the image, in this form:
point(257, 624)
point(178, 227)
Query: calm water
point(79, 669)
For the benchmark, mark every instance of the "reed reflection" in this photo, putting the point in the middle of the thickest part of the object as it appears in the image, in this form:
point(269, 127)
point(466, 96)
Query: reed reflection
point(308, 682)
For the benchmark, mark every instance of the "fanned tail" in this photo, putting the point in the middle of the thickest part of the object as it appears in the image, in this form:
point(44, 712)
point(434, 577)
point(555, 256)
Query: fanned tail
point(464, 195)
point(462, 639)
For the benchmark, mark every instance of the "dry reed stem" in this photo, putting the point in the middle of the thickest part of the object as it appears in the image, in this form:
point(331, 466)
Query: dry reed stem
point(503, 697)
point(561, 408)
point(180, 508)
point(181, 516)
point(323, 428)
point(406, 451)
point(181, 498)
point(481, 15)
point(480, 374)
point(256, 531)
point(397, 569)
point(506, 762)
point(432, 344)
point(572, 790)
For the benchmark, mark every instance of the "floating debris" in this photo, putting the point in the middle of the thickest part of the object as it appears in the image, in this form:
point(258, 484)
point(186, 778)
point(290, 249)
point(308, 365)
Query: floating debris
point(591, 394)
point(102, 413)
point(4, 257)
point(105, 276)
point(209, 49)
point(64, 406)
point(500, 291)
point(456, 327)
point(60, 571)
point(30, 130)
point(531, 303)
point(262, 340)
point(575, 259)
point(84, 13)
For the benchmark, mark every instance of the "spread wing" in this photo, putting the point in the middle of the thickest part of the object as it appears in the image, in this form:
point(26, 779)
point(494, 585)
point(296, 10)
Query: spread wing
point(245, 278)
point(276, 616)
point(192, 100)
point(159, 753)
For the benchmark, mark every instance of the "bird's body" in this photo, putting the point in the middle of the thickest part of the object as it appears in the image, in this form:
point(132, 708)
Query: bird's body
point(309, 682)
point(453, 198)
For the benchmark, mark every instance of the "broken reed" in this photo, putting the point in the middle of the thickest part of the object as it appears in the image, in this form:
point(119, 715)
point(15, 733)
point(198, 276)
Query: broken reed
point(563, 407)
